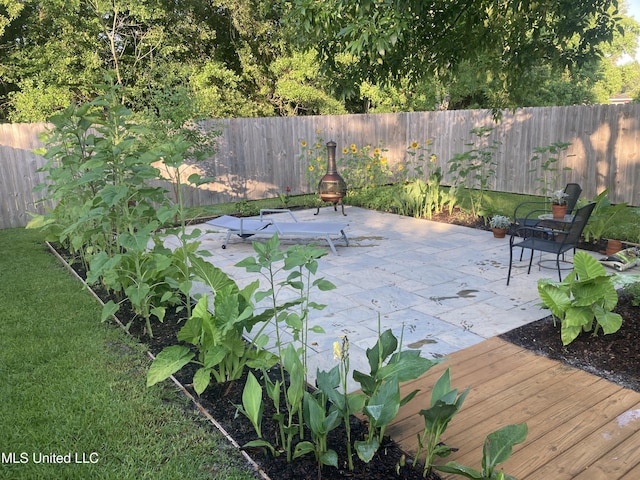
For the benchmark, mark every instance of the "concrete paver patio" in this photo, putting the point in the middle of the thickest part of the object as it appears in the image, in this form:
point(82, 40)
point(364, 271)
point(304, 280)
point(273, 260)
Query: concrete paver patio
point(442, 287)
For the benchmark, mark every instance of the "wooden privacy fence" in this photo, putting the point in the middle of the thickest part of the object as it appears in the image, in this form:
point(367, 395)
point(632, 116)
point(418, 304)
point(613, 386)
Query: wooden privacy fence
point(260, 157)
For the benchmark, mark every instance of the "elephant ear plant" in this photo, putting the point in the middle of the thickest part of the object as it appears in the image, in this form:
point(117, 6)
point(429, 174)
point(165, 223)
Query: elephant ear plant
point(220, 348)
point(586, 294)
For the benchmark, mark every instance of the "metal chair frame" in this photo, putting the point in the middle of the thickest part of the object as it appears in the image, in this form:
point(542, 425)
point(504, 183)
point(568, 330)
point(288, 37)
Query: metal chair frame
point(557, 242)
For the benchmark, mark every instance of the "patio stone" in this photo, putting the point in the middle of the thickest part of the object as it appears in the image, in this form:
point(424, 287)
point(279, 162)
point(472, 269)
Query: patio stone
point(446, 284)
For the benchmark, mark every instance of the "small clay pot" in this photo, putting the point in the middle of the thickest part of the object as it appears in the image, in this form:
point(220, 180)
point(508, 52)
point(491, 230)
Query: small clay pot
point(559, 211)
point(613, 246)
point(499, 232)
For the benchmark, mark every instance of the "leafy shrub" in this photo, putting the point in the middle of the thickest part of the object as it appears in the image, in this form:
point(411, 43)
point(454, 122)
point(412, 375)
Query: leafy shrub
point(586, 294)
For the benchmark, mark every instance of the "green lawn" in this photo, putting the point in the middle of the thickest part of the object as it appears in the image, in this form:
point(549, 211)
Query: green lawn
point(74, 387)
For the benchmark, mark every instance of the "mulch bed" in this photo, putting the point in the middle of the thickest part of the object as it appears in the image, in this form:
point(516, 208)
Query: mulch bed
point(220, 400)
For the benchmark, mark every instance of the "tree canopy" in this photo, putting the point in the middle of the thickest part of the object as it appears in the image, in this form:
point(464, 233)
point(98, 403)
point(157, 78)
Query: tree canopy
point(307, 57)
point(417, 39)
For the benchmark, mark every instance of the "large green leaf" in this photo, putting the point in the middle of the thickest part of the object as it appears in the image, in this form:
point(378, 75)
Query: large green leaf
point(383, 406)
point(252, 402)
point(609, 321)
point(385, 346)
point(211, 275)
point(587, 267)
point(555, 296)
point(498, 445)
point(201, 380)
point(168, 362)
point(367, 449)
point(406, 365)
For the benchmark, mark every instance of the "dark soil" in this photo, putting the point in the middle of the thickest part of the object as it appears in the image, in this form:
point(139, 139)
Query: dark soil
point(220, 400)
point(613, 357)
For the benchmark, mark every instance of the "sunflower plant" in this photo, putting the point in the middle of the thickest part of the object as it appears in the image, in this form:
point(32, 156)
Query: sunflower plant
point(313, 158)
point(366, 166)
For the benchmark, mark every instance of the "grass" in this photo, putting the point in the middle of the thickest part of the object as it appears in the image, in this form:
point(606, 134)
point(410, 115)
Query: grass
point(71, 385)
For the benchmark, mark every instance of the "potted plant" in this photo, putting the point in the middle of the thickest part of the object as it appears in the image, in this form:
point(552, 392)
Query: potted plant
point(499, 225)
point(559, 203)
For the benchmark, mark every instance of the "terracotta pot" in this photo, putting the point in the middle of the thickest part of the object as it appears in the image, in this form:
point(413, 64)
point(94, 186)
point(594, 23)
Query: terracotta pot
point(499, 232)
point(559, 211)
point(613, 246)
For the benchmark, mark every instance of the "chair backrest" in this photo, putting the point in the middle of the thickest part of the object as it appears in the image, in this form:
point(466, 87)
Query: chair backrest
point(580, 220)
point(573, 191)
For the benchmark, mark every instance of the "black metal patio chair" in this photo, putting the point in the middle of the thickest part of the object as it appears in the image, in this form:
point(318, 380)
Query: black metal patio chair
point(551, 241)
point(526, 213)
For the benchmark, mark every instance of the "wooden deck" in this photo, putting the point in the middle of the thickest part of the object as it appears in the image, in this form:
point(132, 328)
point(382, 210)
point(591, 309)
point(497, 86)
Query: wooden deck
point(580, 426)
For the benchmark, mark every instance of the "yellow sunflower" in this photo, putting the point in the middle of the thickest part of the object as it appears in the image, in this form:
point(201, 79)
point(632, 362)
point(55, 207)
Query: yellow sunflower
point(303, 143)
point(311, 168)
point(415, 145)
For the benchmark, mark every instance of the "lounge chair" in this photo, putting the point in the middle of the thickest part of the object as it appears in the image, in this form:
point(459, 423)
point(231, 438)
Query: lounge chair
point(268, 226)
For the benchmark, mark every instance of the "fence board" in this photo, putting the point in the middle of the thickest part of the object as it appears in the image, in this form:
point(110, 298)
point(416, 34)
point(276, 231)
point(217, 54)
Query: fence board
point(259, 157)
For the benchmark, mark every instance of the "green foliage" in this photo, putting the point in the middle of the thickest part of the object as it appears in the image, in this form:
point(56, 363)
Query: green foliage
point(585, 295)
point(546, 164)
point(300, 88)
point(301, 263)
point(445, 403)
point(379, 198)
point(81, 370)
point(320, 423)
point(602, 218)
point(100, 165)
point(389, 366)
point(500, 221)
point(422, 198)
point(146, 276)
point(313, 157)
point(365, 167)
point(474, 169)
point(497, 449)
point(390, 44)
point(333, 384)
point(96, 175)
point(218, 338)
point(634, 291)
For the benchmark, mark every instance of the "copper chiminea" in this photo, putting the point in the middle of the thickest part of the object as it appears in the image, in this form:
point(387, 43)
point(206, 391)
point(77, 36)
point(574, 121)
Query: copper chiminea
point(332, 187)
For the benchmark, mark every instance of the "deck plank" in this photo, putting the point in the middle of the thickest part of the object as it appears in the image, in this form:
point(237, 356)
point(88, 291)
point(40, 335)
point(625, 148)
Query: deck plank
point(574, 418)
point(615, 463)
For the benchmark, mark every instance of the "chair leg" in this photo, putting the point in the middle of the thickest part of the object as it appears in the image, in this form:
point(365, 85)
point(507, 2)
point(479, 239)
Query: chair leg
point(510, 262)
point(558, 265)
point(530, 262)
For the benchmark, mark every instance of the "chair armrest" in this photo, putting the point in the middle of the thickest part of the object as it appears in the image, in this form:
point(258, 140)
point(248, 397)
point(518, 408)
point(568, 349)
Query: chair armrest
point(529, 206)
